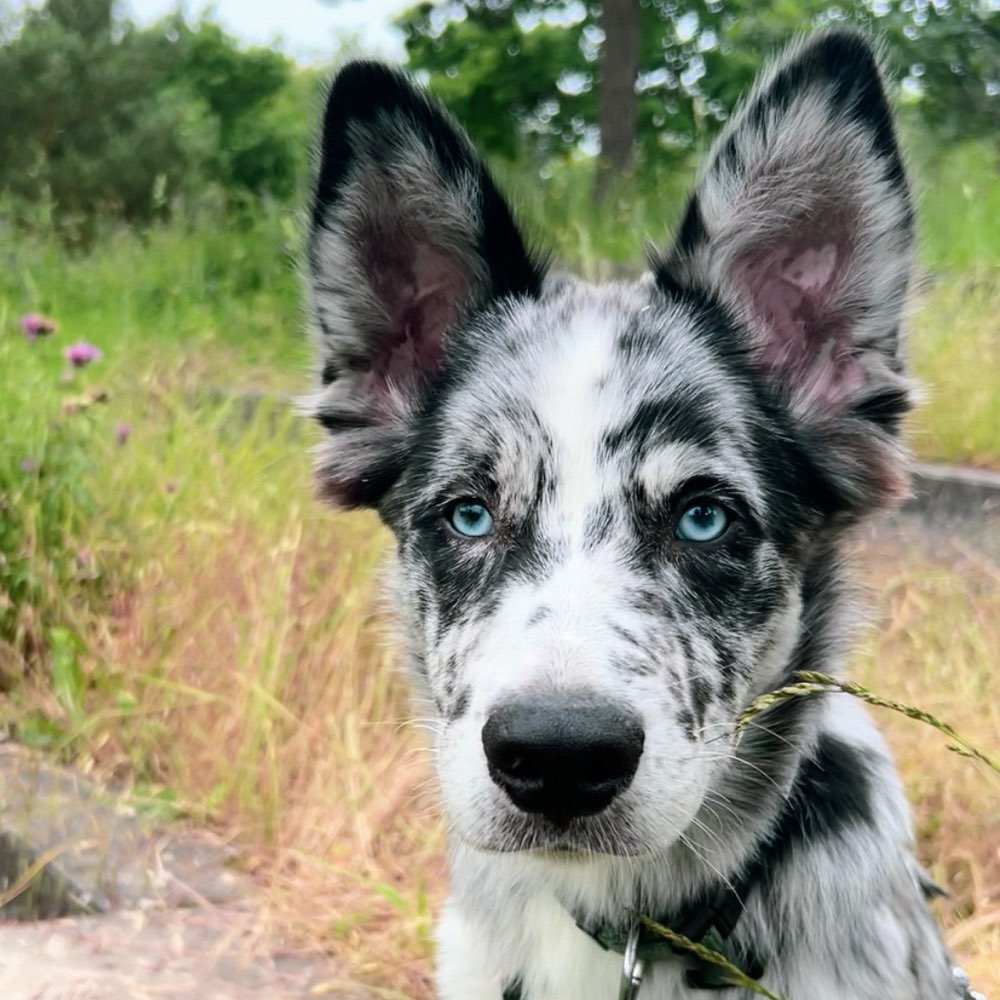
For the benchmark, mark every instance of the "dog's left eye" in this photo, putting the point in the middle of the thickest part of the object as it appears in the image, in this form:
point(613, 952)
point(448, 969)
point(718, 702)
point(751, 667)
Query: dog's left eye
point(703, 521)
point(470, 518)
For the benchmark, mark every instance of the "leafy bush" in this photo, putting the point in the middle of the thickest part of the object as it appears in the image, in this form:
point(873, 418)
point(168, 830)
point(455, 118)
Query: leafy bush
point(103, 120)
point(524, 76)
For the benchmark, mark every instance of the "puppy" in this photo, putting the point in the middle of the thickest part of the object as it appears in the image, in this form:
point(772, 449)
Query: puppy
point(618, 511)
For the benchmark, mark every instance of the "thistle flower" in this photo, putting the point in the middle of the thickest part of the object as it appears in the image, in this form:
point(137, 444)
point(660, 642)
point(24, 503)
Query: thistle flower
point(123, 430)
point(81, 353)
point(36, 325)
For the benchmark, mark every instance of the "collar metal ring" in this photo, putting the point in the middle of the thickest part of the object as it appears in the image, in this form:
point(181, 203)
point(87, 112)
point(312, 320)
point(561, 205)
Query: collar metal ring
point(631, 964)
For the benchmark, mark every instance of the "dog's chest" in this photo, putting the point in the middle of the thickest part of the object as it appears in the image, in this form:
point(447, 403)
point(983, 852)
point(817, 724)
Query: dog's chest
point(562, 963)
point(559, 961)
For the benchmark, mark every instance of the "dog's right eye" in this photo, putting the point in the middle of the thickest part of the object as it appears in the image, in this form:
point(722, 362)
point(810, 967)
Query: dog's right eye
point(470, 518)
point(703, 521)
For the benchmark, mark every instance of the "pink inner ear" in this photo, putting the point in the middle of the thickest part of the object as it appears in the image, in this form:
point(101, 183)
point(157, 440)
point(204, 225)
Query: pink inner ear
point(421, 290)
point(793, 290)
point(812, 270)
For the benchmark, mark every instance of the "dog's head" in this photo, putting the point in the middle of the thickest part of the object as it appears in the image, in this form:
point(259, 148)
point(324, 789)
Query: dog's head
point(612, 504)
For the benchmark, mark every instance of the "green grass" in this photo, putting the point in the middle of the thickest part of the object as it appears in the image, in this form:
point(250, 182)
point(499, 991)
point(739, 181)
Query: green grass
point(958, 204)
point(196, 287)
point(955, 336)
point(182, 316)
point(179, 611)
point(599, 241)
point(955, 355)
point(201, 325)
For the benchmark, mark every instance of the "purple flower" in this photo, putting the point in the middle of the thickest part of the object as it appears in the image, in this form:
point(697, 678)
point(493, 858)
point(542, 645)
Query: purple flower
point(123, 430)
point(29, 465)
point(36, 325)
point(81, 353)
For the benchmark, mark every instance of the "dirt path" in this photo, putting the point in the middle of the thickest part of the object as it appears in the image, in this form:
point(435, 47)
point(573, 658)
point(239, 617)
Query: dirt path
point(173, 918)
point(204, 952)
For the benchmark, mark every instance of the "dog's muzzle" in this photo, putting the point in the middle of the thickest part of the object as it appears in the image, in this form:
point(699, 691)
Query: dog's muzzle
point(562, 755)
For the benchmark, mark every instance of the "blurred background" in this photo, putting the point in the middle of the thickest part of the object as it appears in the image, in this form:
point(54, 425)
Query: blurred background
point(180, 617)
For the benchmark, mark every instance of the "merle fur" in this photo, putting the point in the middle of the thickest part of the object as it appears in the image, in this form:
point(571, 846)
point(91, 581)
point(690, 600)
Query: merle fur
point(794, 429)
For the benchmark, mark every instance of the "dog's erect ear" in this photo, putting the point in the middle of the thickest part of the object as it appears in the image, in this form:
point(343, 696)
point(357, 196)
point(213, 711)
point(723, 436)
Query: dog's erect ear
point(408, 233)
point(802, 222)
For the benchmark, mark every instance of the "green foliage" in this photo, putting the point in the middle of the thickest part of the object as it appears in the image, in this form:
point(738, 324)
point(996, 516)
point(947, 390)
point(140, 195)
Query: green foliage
point(600, 240)
point(83, 120)
point(219, 303)
point(102, 120)
point(525, 74)
point(68, 682)
point(489, 71)
point(256, 151)
point(950, 55)
point(958, 191)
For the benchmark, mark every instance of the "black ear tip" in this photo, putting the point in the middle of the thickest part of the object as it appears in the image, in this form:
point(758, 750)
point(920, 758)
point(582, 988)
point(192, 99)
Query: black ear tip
point(359, 74)
point(843, 64)
point(842, 52)
point(363, 86)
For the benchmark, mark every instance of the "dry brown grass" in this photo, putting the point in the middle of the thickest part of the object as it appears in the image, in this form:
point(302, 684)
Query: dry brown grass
point(263, 694)
point(266, 698)
point(936, 647)
point(245, 672)
point(955, 347)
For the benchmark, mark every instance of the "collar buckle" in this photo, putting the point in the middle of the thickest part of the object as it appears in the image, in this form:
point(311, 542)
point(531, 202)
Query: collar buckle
point(632, 964)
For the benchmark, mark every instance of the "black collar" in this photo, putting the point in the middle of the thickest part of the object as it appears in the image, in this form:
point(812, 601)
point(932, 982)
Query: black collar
point(709, 920)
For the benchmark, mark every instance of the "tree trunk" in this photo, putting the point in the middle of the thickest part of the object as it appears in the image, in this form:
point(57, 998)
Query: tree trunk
point(618, 105)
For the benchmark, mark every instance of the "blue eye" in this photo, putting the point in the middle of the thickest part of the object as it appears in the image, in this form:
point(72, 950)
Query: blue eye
point(703, 521)
point(470, 518)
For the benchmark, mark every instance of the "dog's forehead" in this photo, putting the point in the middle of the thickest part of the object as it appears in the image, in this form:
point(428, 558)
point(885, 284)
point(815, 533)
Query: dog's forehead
point(618, 375)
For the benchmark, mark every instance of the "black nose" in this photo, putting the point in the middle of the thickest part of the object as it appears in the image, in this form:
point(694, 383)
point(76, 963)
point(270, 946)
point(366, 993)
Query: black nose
point(562, 755)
